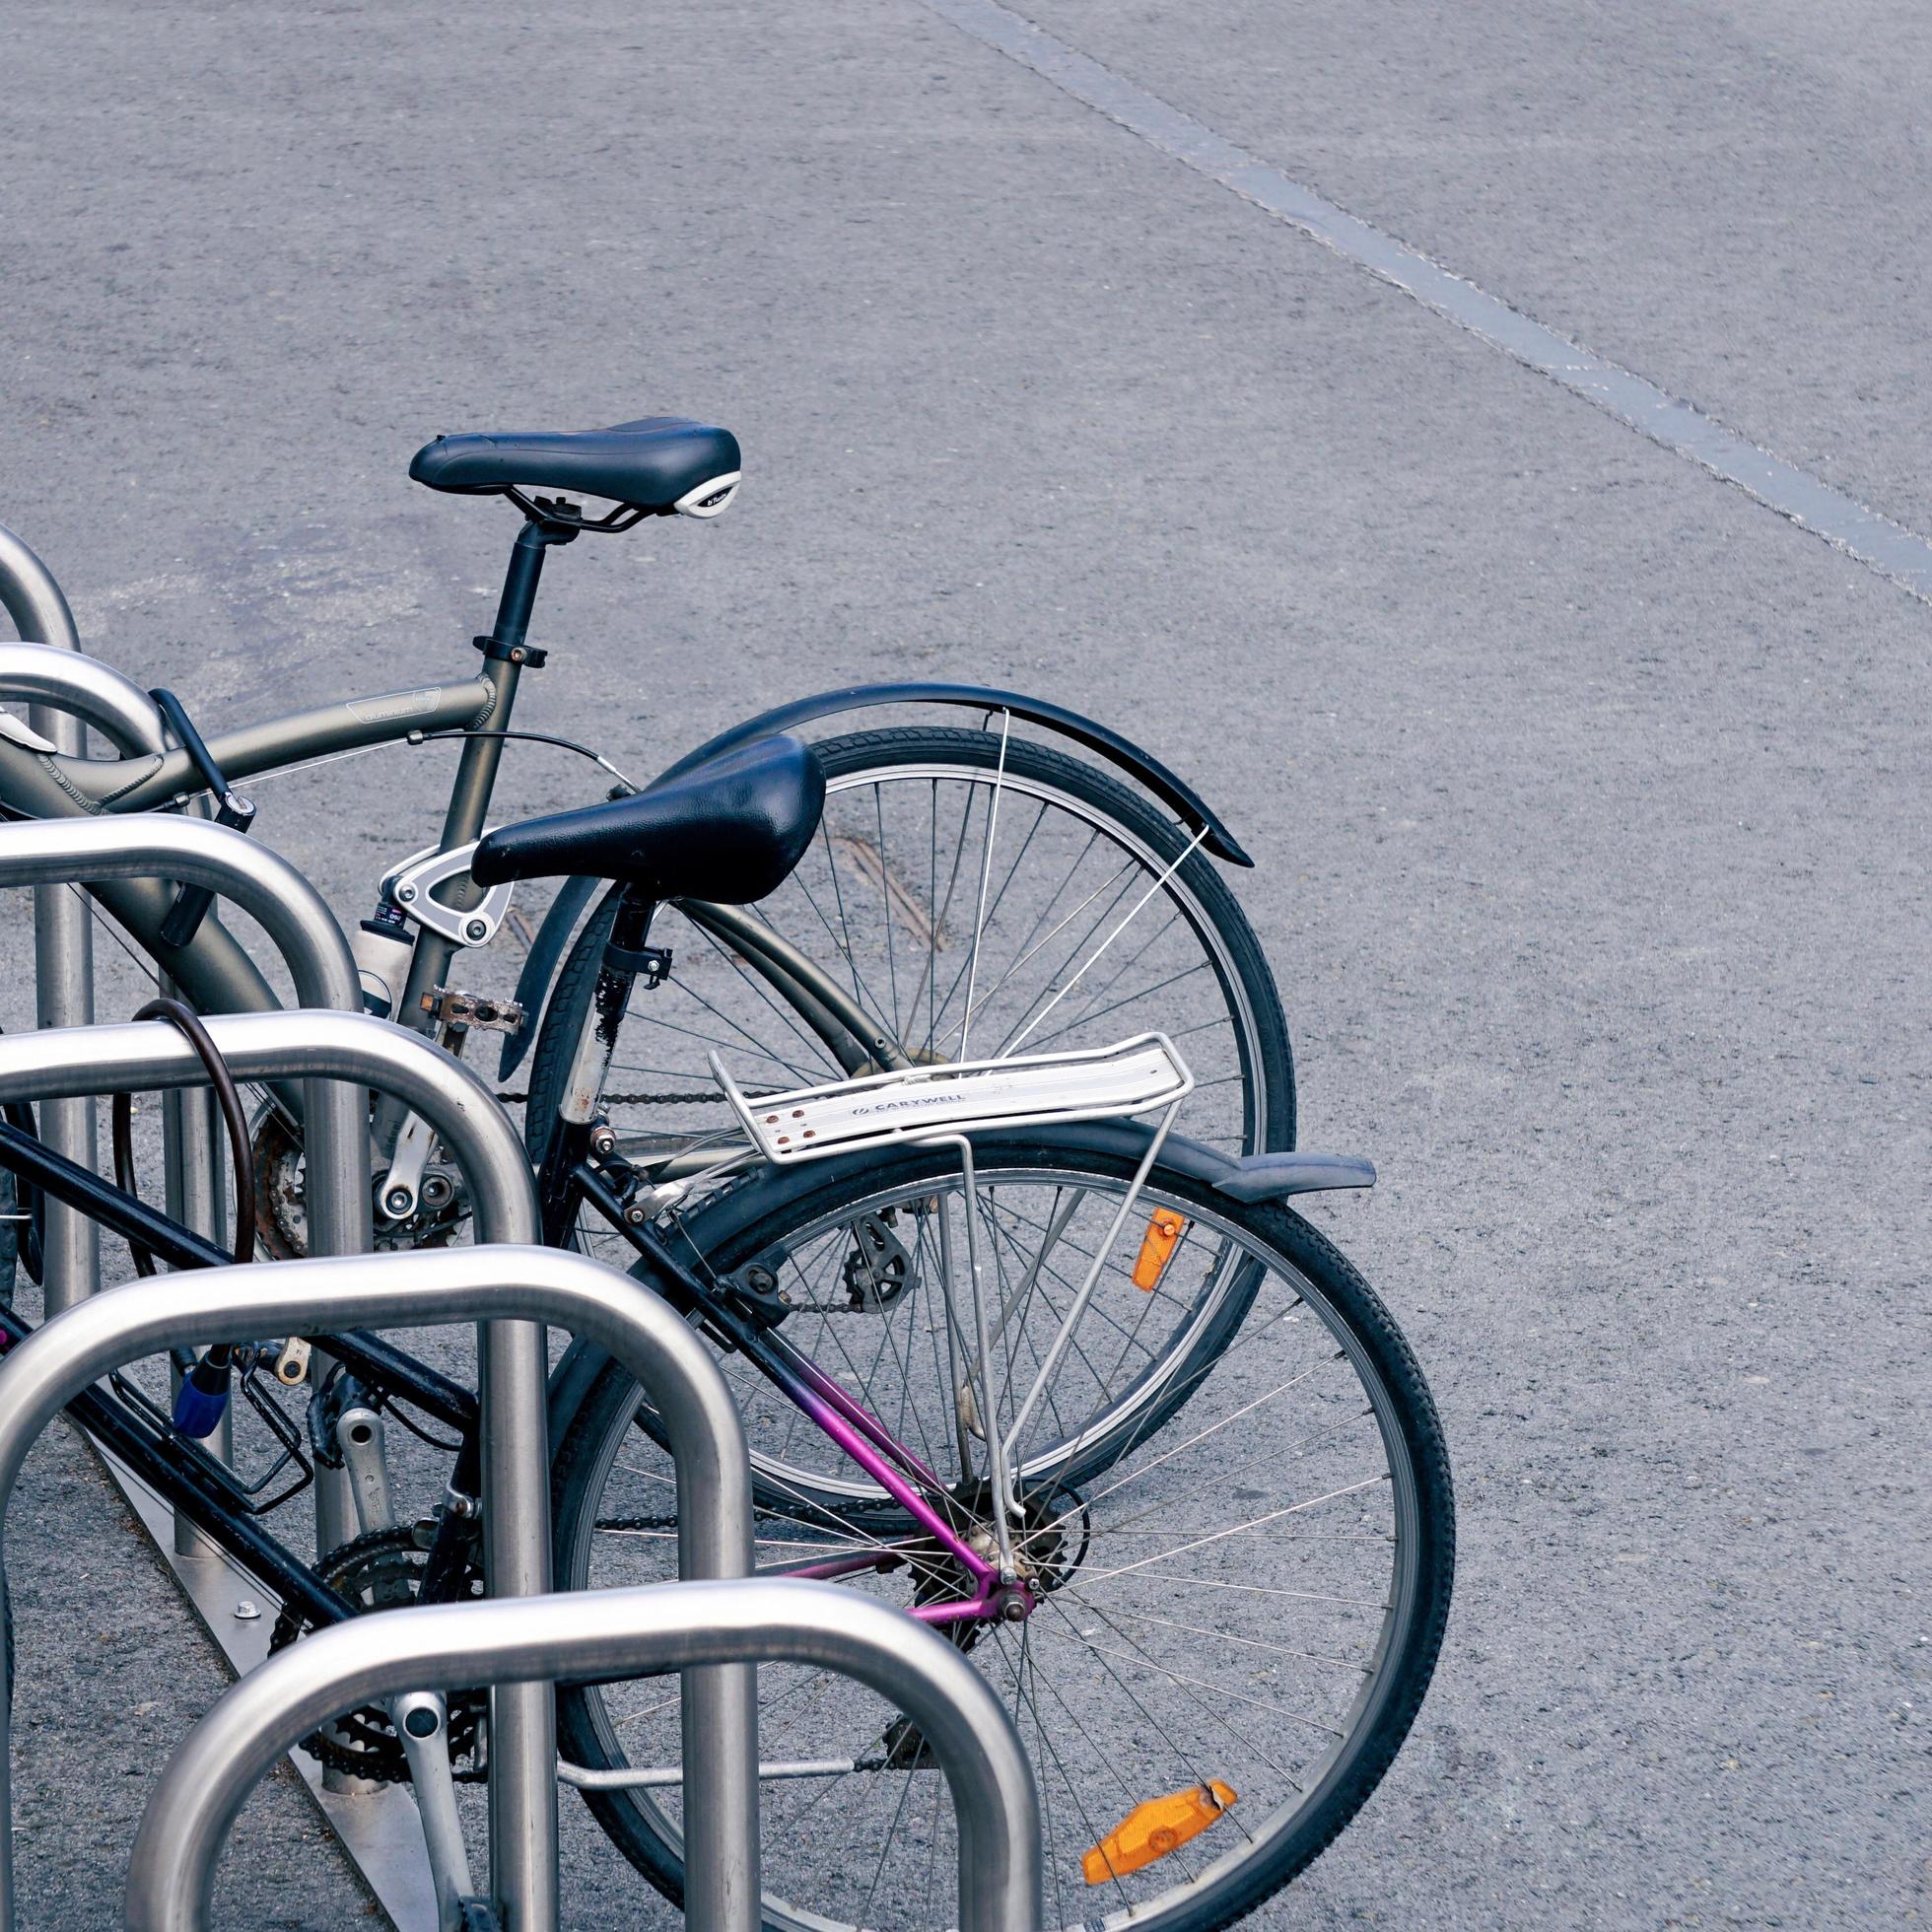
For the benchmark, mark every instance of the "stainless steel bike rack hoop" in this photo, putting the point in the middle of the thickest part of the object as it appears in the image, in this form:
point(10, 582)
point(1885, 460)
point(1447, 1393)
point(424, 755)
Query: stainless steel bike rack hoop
point(71, 681)
point(305, 932)
point(660, 1626)
point(371, 1053)
point(48, 852)
point(63, 936)
point(67, 680)
point(531, 1285)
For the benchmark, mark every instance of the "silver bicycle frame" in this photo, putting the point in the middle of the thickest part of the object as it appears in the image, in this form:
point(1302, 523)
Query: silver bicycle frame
point(656, 1628)
point(251, 750)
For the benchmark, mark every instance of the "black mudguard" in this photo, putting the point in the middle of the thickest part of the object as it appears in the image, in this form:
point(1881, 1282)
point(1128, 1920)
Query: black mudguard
point(1179, 797)
point(553, 936)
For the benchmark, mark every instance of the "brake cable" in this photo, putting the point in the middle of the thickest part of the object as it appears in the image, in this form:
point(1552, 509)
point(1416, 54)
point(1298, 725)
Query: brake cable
point(531, 737)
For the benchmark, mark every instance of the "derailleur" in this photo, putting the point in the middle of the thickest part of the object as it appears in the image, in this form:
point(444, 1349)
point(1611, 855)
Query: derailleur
point(876, 1271)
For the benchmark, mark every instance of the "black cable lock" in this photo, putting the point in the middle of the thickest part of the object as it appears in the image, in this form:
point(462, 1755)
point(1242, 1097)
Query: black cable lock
point(202, 1399)
point(238, 813)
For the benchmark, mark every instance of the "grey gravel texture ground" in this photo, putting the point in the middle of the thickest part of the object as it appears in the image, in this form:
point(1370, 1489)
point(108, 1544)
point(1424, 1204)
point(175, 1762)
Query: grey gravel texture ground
point(1589, 800)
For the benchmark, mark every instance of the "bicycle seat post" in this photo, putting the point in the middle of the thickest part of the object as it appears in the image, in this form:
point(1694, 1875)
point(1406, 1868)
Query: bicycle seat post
point(520, 587)
point(507, 655)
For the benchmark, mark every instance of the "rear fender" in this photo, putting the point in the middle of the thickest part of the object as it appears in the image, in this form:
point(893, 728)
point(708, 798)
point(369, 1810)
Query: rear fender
point(1274, 1177)
point(1179, 797)
point(1255, 1177)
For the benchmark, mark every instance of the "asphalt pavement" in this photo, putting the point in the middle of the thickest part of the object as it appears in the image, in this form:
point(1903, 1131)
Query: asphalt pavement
point(1588, 798)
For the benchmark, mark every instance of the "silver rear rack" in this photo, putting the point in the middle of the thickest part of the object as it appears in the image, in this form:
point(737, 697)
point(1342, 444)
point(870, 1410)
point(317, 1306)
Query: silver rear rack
point(1029, 1089)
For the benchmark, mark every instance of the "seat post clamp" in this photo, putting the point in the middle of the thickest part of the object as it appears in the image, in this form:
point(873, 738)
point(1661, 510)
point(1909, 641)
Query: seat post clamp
point(531, 656)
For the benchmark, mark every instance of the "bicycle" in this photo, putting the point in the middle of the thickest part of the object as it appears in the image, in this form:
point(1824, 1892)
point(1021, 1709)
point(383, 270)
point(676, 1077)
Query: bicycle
point(760, 1249)
point(994, 1222)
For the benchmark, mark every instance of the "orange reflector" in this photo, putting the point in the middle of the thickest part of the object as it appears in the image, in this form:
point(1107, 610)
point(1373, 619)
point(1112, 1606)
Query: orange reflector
point(1158, 1247)
point(1153, 1830)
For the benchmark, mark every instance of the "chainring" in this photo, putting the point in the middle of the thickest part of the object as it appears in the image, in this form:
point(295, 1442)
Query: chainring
point(282, 1199)
point(380, 1571)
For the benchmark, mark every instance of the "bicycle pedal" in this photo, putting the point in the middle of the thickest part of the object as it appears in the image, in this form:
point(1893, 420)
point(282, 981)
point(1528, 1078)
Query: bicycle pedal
point(292, 1364)
point(473, 1009)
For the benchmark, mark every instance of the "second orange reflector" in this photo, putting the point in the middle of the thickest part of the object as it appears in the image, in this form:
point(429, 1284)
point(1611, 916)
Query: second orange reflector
point(1153, 1830)
point(1158, 1247)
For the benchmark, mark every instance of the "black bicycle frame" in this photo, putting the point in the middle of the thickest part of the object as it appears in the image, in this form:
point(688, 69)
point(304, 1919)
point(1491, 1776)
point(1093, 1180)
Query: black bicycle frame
point(388, 1372)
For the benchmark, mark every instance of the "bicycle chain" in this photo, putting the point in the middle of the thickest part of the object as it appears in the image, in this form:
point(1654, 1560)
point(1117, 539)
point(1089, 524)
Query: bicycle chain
point(707, 1096)
point(622, 1525)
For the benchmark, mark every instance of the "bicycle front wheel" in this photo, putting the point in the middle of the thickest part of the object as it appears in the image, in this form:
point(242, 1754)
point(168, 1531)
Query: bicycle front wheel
point(1231, 1625)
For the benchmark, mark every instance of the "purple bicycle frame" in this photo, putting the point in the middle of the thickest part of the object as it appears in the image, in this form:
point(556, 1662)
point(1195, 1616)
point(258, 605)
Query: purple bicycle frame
point(874, 1447)
point(849, 1424)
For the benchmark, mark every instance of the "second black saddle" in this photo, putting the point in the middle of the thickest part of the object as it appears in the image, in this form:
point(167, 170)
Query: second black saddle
point(729, 830)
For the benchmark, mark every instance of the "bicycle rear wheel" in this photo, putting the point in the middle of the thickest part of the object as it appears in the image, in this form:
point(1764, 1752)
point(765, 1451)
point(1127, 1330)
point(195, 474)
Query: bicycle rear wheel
point(1234, 1623)
point(954, 867)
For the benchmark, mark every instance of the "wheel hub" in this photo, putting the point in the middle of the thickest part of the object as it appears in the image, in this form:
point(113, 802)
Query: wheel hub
point(282, 1199)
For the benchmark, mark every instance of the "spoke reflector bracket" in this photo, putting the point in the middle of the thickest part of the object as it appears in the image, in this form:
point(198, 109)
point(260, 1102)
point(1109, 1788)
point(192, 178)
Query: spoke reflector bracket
point(1158, 1247)
point(1153, 1828)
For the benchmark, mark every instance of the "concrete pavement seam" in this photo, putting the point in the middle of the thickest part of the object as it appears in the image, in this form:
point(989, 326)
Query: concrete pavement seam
point(1874, 539)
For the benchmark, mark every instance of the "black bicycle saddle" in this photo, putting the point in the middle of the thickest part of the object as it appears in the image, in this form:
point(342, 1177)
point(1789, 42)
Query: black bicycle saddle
point(729, 830)
point(663, 465)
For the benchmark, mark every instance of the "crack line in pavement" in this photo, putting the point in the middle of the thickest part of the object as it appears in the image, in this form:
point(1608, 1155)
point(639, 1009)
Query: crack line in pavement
point(1888, 548)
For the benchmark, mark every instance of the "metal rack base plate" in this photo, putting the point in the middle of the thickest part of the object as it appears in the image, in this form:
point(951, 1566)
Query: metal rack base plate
point(378, 1828)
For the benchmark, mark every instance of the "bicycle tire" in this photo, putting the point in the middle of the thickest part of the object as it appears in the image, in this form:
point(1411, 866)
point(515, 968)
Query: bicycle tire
point(1413, 1645)
point(10, 1227)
